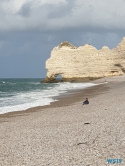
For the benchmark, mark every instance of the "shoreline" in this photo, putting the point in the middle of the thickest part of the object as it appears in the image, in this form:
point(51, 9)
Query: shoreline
point(70, 93)
point(64, 99)
point(67, 133)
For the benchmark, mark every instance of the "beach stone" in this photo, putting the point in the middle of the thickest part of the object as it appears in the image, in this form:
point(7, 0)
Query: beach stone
point(58, 136)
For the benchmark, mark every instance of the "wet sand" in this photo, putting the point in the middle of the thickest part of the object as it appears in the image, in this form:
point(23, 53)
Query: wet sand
point(67, 133)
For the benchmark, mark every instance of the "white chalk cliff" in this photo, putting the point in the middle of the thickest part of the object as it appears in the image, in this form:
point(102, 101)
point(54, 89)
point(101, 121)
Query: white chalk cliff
point(85, 62)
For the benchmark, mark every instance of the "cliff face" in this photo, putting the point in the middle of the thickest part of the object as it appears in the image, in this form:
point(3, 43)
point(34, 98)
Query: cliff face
point(85, 62)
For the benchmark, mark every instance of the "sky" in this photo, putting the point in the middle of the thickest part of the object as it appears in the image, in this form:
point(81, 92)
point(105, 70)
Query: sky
point(30, 29)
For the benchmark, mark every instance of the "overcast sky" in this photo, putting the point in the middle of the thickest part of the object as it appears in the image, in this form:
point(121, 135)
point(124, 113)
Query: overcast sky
point(30, 29)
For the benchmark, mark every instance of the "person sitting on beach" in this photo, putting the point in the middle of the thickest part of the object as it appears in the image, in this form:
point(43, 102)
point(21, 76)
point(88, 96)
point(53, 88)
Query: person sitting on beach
point(86, 101)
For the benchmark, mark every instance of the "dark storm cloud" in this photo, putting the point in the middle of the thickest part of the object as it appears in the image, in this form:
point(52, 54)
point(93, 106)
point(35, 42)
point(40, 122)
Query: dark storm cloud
point(60, 10)
point(64, 14)
point(30, 29)
point(25, 10)
point(24, 54)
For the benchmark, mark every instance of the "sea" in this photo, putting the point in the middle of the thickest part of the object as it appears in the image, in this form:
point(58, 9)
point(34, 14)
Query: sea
point(21, 94)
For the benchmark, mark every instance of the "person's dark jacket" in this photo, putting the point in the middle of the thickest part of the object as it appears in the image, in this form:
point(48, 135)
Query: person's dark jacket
point(86, 102)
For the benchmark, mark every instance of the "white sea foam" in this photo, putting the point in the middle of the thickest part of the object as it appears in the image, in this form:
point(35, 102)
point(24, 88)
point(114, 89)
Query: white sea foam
point(25, 100)
point(34, 83)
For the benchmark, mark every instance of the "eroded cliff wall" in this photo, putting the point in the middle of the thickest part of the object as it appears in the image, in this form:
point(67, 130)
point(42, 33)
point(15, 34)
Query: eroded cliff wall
point(85, 62)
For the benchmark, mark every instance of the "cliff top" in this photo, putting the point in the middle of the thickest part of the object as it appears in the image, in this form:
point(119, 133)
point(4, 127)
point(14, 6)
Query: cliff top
point(67, 44)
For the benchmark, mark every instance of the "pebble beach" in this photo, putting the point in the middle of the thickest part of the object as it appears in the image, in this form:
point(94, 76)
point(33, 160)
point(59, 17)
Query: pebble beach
point(67, 133)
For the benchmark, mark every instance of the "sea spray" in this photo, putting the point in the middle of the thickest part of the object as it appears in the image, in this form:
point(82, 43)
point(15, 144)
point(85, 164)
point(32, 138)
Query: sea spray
point(21, 94)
